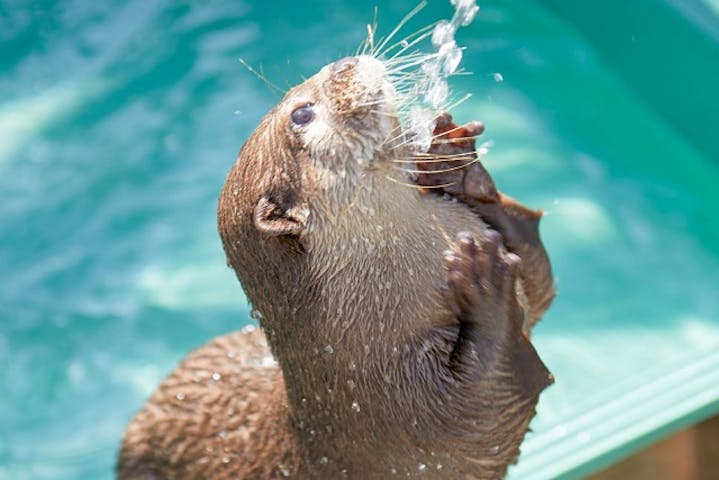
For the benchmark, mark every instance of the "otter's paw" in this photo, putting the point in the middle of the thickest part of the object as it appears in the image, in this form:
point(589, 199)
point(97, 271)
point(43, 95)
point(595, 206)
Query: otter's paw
point(481, 282)
point(481, 292)
point(451, 166)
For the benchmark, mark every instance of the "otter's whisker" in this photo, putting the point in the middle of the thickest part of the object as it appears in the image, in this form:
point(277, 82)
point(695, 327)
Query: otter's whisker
point(368, 42)
point(456, 103)
point(401, 134)
point(370, 103)
point(420, 38)
point(436, 158)
point(404, 143)
point(410, 40)
point(262, 77)
point(383, 113)
point(401, 23)
point(397, 61)
point(432, 172)
point(396, 68)
point(415, 63)
point(418, 187)
point(443, 141)
point(437, 140)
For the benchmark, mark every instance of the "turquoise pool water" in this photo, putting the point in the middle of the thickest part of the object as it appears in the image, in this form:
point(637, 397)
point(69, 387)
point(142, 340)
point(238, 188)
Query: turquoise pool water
point(119, 121)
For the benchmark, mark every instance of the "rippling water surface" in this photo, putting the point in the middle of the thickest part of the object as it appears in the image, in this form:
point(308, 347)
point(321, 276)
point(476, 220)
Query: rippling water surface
point(119, 121)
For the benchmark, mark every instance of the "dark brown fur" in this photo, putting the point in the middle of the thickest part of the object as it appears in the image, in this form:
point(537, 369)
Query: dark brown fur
point(394, 357)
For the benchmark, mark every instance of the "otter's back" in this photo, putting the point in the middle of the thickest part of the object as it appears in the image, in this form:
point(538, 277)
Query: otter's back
point(221, 414)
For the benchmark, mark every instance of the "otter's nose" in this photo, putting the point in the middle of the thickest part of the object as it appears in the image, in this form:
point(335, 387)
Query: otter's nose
point(343, 64)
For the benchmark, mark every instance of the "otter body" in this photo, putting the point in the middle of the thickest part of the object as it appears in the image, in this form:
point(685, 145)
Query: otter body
point(394, 355)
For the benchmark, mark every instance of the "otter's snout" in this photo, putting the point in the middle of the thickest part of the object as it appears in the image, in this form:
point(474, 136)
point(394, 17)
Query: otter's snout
point(343, 64)
point(354, 85)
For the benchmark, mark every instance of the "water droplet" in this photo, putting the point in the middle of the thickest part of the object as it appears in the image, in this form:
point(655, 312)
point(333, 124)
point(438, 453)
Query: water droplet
point(216, 376)
point(498, 77)
point(225, 459)
point(323, 460)
point(422, 467)
point(180, 396)
point(329, 349)
point(351, 384)
point(437, 94)
point(268, 361)
point(222, 433)
point(466, 10)
point(494, 450)
point(443, 33)
point(439, 466)
point(451, 55)
point(284, 471)
point(256, 315)
point(355, 407)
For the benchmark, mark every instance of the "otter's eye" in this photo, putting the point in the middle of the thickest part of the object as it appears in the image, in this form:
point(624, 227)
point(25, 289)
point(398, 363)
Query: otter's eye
point(303, 115)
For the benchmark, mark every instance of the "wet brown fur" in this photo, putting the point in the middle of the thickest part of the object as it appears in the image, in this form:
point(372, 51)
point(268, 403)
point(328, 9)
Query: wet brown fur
point(392, 358)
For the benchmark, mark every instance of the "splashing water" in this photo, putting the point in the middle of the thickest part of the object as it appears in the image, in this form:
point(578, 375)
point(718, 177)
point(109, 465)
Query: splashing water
point(436, 70)
point(420, 79)
point(449, 55)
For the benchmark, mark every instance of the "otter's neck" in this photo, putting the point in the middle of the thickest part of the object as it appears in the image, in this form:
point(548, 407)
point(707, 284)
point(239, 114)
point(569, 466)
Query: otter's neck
point(364, 288)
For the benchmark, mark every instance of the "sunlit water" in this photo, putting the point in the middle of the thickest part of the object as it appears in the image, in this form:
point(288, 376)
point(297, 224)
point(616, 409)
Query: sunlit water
point(119, 121)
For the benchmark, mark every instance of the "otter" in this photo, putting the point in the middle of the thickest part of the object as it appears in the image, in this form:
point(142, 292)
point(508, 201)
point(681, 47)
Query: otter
point(395, 306)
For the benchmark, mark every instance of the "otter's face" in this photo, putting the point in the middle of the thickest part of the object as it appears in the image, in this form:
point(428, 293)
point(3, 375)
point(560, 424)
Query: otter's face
point(312, 153)
point(343, 119)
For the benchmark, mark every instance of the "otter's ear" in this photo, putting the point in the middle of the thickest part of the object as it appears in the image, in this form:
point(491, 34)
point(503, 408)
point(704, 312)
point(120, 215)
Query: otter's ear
point(273, 218)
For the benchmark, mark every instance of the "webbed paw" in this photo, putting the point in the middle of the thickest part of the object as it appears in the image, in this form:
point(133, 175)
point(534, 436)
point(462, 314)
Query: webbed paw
point(481, 280)
point(481, 292)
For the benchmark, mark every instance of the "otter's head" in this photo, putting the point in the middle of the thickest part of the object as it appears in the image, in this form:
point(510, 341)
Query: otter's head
point(308, 159)
point(341, 122)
